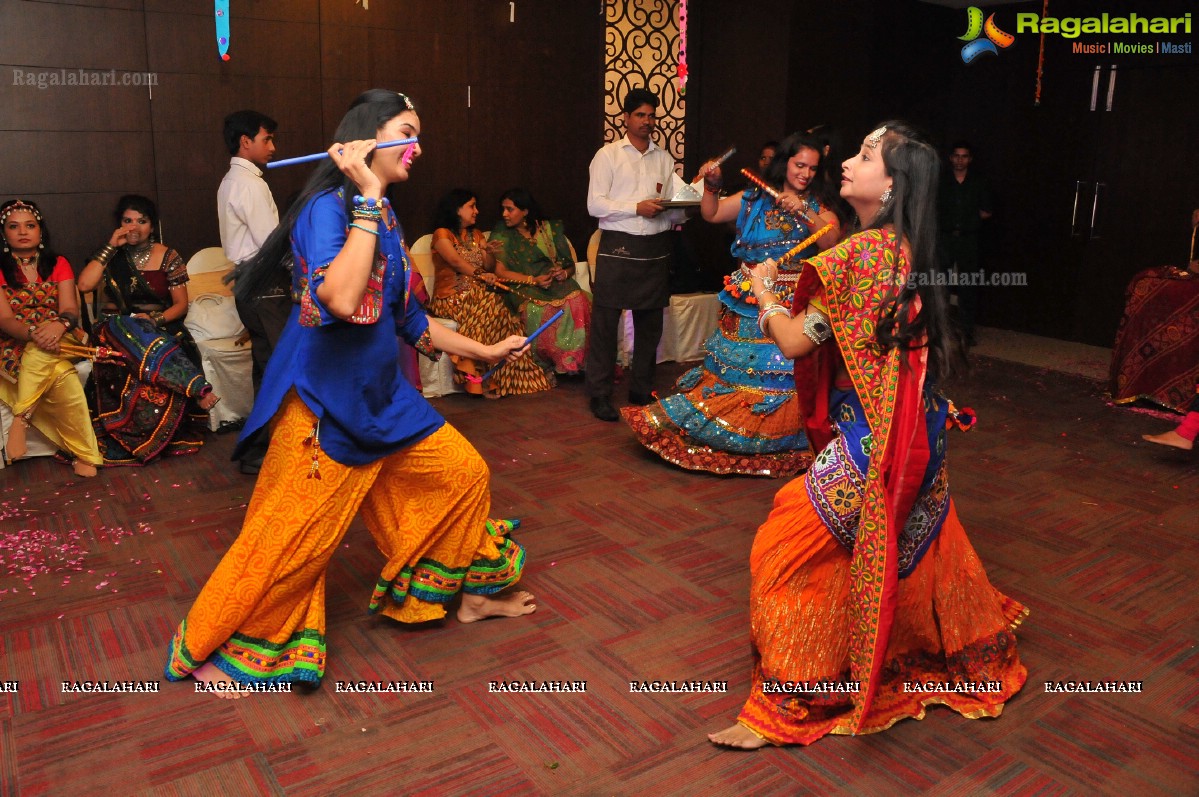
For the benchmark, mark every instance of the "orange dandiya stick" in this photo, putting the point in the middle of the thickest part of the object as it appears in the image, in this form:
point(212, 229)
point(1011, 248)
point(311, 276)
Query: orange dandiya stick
point(760, 183)
point(97, 353)
point(498, 284)
point(802, 245)
point(773, 193)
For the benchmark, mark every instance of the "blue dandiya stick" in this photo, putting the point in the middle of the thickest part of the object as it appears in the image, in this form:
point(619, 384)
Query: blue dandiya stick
point(316, 156)
point(528, 340)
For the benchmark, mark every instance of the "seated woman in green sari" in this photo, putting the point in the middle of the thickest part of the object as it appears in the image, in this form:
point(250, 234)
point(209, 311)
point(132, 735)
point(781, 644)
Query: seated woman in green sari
point(534, 260)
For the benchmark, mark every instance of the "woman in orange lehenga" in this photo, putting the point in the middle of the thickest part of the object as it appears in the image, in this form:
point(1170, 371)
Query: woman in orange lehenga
point(867, 602)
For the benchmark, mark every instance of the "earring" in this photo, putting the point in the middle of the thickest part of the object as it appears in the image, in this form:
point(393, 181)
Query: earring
point(886, 197)
point(41, 246)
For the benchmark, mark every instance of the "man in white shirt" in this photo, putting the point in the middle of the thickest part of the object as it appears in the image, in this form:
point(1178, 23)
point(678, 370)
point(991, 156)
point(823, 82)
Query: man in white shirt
point(630, 179)
point(247, 216)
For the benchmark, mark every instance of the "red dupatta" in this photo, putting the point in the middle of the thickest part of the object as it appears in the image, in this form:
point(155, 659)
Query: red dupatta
point(858, 276)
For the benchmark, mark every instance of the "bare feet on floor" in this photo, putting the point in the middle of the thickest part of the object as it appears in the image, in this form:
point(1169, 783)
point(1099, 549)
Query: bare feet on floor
point(16, 446)
point(737, 736)
point(1170, 438)
point(85, 469)
point(505, 604)
point(224, 687)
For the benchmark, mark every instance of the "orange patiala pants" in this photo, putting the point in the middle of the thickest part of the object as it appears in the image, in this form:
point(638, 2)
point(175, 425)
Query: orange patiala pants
point(261, 616)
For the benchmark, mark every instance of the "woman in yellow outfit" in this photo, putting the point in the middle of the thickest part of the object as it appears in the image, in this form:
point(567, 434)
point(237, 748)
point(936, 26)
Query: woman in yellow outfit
point(40, 314)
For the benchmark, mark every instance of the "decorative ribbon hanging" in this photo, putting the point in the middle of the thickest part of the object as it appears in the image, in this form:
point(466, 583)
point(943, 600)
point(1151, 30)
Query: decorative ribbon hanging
point(682, 47)
point(1041, 57)
point(222, 28)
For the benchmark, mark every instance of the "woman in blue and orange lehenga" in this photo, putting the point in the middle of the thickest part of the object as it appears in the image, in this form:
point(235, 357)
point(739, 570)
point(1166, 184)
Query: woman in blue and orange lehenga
point(349, 432)
point(736, 412)
point(152, 398)
point(867, 602)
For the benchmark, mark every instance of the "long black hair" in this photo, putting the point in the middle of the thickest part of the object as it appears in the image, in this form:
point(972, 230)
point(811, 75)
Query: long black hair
point(446, 213)
point(776, 172)
point(833, 146)
point(368, 112)
point(525, 201)
point(915, 168)
point(47, 257)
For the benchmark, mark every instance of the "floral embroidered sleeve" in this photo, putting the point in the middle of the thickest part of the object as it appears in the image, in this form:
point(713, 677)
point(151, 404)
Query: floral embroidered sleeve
point(410, 320)
point(424, 345)
point(319, 234)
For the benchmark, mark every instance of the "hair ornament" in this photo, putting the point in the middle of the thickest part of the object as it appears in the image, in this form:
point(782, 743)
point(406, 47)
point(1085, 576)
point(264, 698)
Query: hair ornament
point(20, 204)
point(874, 138)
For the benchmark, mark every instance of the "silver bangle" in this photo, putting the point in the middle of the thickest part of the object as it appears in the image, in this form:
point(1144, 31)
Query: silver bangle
point(773, 309)
point(816, 327)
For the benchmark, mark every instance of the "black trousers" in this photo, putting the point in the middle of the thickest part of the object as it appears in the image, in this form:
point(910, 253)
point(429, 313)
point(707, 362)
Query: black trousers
point(631, 272)
point(962, 251)
point(601, 350)
point(264, 319)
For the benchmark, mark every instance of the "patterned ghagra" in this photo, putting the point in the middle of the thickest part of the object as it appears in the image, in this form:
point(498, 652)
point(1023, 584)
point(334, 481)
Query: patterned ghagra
point(736, 412)
point(867, 601)
point(147, 405)
point(482, 316)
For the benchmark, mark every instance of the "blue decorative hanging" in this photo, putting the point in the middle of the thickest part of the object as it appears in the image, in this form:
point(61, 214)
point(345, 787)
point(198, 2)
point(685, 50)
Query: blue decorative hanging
point(222, 28)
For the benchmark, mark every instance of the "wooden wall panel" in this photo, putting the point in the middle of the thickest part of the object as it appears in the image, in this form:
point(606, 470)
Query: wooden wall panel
point(301, 62)
point(292, 10)
point(75, 108)
point(71, 36)
point(536, 107)
point(187, 43)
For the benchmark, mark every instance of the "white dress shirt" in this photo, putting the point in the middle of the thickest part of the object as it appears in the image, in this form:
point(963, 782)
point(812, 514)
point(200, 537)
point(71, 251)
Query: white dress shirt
point(246, 210)
point(622, 176)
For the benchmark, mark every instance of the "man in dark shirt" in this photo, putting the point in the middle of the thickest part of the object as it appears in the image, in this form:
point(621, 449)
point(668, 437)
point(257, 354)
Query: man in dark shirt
point(965, 201)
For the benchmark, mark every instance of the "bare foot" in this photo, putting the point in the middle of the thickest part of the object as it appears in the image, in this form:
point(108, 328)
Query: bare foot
point(1170, 438)
point(224, 687)
point(737, 736)
point(16, 438)
point(209, 401)
point(85, 469)
point(510, 604)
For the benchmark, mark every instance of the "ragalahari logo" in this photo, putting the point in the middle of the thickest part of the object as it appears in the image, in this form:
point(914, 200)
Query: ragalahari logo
point(975, 27)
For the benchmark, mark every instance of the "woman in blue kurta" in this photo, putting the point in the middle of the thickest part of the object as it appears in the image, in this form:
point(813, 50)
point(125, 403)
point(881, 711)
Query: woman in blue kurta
point(736, 412)
point(348, 431)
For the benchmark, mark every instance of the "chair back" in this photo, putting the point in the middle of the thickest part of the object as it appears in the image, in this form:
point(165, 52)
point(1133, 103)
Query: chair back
point(422, 257)
point(593, 250)
point(205, 273)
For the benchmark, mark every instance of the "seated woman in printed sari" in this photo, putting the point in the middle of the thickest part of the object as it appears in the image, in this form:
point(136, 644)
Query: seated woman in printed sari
point(534, 261)
point(155, 400)
point(39, 341)
point(465, 290)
